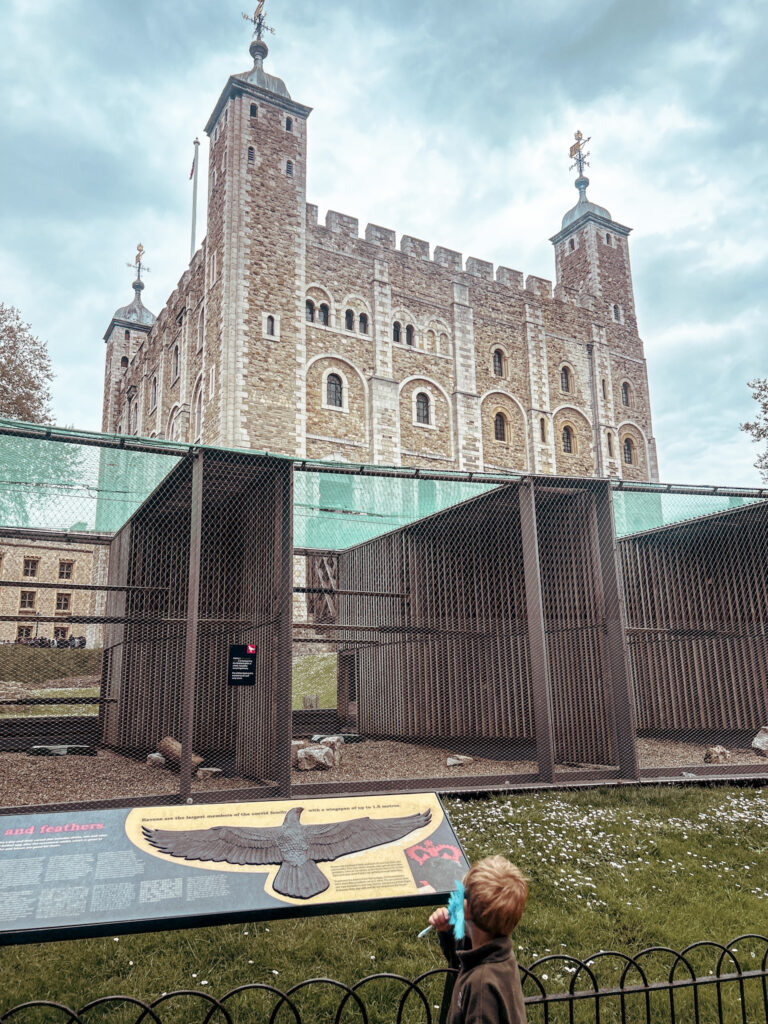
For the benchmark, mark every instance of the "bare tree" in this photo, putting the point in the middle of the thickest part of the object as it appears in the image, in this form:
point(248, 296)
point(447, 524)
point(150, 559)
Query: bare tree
point(758, 427)
point(25, 370)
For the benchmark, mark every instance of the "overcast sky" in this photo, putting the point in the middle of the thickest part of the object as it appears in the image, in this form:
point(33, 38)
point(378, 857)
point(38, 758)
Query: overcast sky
point(443, 120)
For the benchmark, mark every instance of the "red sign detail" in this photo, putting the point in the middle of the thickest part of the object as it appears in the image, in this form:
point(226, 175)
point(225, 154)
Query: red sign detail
point(251, 648)
point(426, 850)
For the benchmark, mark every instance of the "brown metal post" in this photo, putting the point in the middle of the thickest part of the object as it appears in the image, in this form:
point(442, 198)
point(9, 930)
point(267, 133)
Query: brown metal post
point(284, 593)
point(541, 685)
point(190, 645)
point(620, 686)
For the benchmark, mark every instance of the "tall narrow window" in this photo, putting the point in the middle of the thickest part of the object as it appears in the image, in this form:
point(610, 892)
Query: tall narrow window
point(565, 379)
point(610, 445)
point(128, 336)
point(567, 440)
point(289, 168)
point(608, 240)
point(251, 155)
point(254, 110)
point(571, 245)
point(422, 408)
point(289, 124)
point(363, 323)
point(134, 418)
point(604, 388)
point(500, 427)
point(198, 412)
point(310, 311)
point(616, 316)
point(409, 333)
point(153, 394)
point(498, 363)
point(325, 314)
point(175, 362)
point(271, 326)
point(543, 429)
point(396, 332)
point(201, 329)
point(124, 363)
point(349, 320)
point(629, 451)
point(334, 394)
point(625, 394)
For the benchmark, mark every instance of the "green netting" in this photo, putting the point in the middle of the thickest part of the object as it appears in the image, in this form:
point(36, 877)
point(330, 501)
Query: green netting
point(637, 511)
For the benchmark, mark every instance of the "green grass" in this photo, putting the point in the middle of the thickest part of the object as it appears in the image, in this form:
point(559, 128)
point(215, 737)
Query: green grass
point(315, 673)
point(37, 665)
point(609, 869)
point(48, 710)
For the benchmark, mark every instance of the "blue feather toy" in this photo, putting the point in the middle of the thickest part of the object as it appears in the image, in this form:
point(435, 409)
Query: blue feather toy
point(455, 913)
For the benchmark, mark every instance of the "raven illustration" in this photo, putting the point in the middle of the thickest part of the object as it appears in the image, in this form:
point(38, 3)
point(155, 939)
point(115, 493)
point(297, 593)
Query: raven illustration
point(295, 847)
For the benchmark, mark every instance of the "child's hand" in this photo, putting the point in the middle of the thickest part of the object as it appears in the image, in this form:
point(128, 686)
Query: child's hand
point(439, 920)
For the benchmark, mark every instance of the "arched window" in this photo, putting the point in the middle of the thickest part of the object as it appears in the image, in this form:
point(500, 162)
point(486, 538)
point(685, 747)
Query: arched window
point(251, 155)
point(625, 393)
point(571, 245)
point(616, 316)
point(289, 168)
point(498, 363)
point(543, 428)
point(431, 341)
point(608, 240)
point(175, 363)
point(422, 408)
point(198, 412)
point(500, 427)
point(396, 332)
point(363, 323)
point(201, 329)
point(444, 344)
point(325, 314)
point(610, 445)
point(254, 110)
point(349, 320)
point(334, 394)
point(567, 440)
point(153, 393)
point(409, 334)
point(629, 451)
point(171, 433)
point(310, 311)
point(271, 326)
point(289, 124)
point(124, 362)
point(565, 379)
point(127, 336)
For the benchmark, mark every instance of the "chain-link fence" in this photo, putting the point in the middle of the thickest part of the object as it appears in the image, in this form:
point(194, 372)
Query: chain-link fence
point(201, 624)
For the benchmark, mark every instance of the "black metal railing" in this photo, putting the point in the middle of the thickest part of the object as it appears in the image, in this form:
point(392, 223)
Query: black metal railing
point(656, 985)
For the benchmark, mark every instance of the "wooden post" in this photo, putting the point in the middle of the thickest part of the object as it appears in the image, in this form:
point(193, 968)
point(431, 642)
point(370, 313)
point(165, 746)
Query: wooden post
point(284, 638)
point(190, 644)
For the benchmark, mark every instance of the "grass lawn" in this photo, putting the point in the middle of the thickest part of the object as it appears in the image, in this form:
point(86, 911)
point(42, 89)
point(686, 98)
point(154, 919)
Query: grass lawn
point(315, 673)
point(22, 664)
point(609, 869)
point(48, 710)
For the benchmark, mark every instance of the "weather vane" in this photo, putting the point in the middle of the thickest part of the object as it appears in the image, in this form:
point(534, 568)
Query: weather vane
point(258, 21)
point(138, 263)
point(577, 153)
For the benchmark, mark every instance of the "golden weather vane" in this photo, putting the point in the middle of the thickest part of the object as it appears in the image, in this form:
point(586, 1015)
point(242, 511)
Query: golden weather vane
point(138, 263)
point(258, 21)
point(577, 154)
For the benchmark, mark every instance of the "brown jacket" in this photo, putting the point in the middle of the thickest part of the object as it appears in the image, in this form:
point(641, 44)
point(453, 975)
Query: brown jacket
point(487, 989)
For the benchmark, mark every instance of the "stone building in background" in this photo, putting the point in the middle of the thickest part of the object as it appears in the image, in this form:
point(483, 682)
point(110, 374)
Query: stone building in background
point(308, 339)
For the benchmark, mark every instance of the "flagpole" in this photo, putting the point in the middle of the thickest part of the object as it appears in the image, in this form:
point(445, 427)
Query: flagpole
point(194, 199)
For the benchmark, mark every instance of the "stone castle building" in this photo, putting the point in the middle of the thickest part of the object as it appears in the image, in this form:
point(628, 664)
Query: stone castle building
point(308, 339)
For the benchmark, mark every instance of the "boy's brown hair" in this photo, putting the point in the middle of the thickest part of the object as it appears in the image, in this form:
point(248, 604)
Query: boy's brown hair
point(496, 893)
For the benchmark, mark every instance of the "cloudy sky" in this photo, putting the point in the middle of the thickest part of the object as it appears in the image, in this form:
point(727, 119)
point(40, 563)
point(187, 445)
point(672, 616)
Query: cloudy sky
point(443, 120)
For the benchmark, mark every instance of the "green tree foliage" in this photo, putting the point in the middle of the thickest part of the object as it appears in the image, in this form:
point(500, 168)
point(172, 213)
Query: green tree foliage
point(758, 427)
point(25, 370)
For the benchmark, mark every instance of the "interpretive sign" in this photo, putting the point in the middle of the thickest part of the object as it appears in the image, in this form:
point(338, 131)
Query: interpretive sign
point(108, 872)
point(242, 665)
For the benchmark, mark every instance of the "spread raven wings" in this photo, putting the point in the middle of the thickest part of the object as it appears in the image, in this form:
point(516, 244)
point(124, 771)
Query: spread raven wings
point(295, 847)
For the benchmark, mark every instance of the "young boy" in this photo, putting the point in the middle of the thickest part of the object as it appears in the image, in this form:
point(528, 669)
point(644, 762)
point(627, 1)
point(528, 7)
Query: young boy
point(487, 989)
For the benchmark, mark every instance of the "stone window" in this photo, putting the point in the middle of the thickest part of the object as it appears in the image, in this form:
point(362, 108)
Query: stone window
point(500, 427)
point(629, 451)
point(153, 394)
point(565, 379)
point(127, 336)
point(616, 313)
point(60, 632)
point(334, 393)
point(134, 418)
point(213, 268)
point(626, 394)
point(271, 326)
point(363, 323)
point(349, 320)
point(201, 329)
point(604, 388)
point(63, 602)
point(498, 363)
point(396, 332)
point(289, 168)
point(251, 155)
point(543, 429)
point(568, 441)
point(65, 570)
point(422, 407)
point(175, 363)
point(289, 124)
point(325, 314)
point(124, 363)
point(27, 599)
point(172, 426)
point(610, 445)
point(310, 311)
point(444, 344)
point(571, 245)
point(608, 240)
point(409, 334)
point(30, 567)
point(254, 110)
point(197, 412)
point(23, 632)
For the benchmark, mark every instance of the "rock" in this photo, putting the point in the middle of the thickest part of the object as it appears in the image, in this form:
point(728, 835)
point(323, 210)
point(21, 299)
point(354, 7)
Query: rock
point(156, 760)
point(315, 758)
point(208, 773)
point(336, 743)
point(171, 751)
point(760, 742)
point(457, 760)
point(296, 746)
point(310, 702)
point(716, 755)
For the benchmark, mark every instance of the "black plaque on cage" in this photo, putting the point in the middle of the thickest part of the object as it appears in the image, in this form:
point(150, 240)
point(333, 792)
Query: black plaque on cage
point(242, 665)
